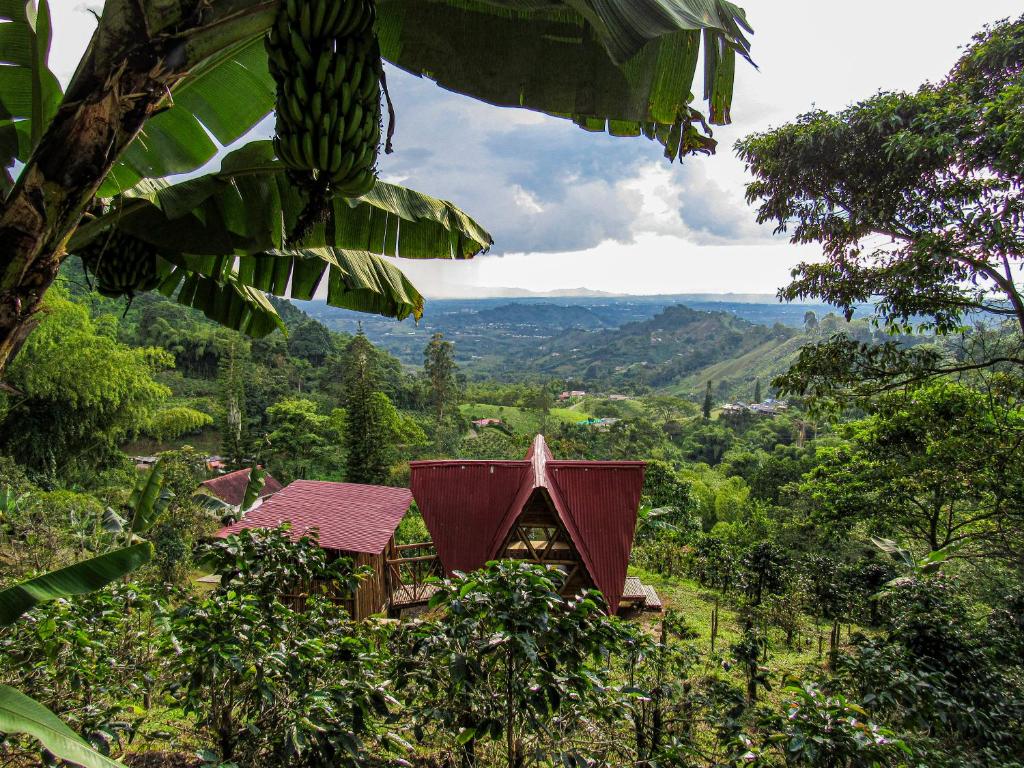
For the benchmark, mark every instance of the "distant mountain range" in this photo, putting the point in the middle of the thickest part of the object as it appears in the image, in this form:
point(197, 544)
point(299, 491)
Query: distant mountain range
point(662, 342)
point(498, 292)
point(470, 292)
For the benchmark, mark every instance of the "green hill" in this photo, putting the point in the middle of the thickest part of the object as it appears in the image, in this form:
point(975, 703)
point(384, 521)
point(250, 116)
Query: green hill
point(655, 353)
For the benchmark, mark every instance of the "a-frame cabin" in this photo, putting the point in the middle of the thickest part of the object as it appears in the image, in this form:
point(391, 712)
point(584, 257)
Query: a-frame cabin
point(579, 516)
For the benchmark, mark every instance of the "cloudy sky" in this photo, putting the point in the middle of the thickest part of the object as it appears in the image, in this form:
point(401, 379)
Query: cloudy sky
point(570, 209)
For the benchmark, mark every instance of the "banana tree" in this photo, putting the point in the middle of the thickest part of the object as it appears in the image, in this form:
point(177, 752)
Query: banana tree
point(165, 85)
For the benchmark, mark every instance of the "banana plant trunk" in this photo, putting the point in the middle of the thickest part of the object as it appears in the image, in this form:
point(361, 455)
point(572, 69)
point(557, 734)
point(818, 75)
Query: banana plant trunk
point(59, 181)
point(125, 76)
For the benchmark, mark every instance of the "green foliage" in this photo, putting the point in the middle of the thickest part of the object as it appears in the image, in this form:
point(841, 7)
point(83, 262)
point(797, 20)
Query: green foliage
point(274, 683)
point(443, 388)
point(930, 177)
point(233, 374)
point(83, 392)
point(822, 731)
point(933, 465)
point(87, 660)
point(19, 713)
point(302, 441)
point(934, 675)
point(507, 656)
point(708, 443)
point(310, 341)
point(186, 522)
point(169, 423)
point(372, 423)
point(43, 530)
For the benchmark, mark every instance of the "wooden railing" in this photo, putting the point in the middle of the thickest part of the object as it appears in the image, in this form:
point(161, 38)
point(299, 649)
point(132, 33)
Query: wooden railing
point(408, 572)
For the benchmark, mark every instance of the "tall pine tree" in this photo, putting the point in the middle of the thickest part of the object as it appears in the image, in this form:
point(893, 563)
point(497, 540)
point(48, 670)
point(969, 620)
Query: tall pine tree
point(707, 403)
point(367, 439)
point(443, 391)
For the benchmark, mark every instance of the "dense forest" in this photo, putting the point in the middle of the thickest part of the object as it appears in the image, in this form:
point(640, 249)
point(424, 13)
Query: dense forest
point(832, 512)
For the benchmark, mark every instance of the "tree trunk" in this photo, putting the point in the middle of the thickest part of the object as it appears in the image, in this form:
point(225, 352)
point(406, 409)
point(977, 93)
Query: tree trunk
point(60, 180)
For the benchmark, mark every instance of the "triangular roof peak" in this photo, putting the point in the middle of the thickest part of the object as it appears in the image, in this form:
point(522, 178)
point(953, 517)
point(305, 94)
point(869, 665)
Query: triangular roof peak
point(470, 506)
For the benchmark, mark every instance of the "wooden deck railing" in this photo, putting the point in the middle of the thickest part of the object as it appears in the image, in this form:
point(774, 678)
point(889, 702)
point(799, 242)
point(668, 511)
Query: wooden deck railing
point(409, 570)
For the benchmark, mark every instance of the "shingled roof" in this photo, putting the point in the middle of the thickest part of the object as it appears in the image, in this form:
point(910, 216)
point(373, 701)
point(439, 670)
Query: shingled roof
point(349, 517)
point(470, 507)
point(230, 488)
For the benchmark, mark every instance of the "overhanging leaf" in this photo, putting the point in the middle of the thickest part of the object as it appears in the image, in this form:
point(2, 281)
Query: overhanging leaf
point(249, 205)
point(22, 714)
point(622, 66)
point(225, 301)
point(29, 92)
point(77, 579)
point(356, 280)
point(149, 499)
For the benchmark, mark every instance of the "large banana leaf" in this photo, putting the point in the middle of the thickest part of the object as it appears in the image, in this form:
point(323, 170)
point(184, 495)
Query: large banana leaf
point(29, 92)
point(78, 579)
point(356, 280)
point(226, 95)
point(149, 499)
point(257, 479)
point(224, 300)
point(625, 66)
point(622, 66)
point(21, 714)
point(249, 205)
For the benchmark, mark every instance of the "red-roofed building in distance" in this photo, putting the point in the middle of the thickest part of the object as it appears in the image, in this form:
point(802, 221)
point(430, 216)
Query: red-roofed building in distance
point(574, 394)
point(350, 520)
point(230, 488)
point(579, 516)
point(490, 422)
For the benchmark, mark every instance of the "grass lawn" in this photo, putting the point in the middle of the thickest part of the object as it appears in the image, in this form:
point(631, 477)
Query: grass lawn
point(696, 604)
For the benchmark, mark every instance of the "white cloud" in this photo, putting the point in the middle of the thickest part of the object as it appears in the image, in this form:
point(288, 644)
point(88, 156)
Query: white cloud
point(525, 200)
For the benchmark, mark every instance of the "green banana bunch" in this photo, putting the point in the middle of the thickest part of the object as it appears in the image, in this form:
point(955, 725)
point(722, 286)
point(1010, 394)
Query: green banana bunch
point(122, 264)
point(325, 61)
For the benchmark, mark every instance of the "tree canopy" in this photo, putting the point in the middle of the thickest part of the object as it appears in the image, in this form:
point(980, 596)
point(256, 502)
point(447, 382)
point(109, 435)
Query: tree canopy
point(80, 391)
point(915, 200)
point(938, 466)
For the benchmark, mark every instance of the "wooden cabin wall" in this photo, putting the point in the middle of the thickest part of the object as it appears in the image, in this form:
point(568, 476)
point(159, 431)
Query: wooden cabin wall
point(372, 595)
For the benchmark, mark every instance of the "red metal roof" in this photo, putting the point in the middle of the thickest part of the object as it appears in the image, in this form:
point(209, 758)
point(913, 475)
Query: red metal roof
point(470, 506)
point(349, 516)
point(465, 502)
point(230, 488)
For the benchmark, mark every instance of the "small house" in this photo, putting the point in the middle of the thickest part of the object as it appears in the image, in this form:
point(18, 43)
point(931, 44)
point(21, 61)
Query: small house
point(351, 520)
point(230, 488)
point(486, 422)
point(579, 516)
point(574, 394)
